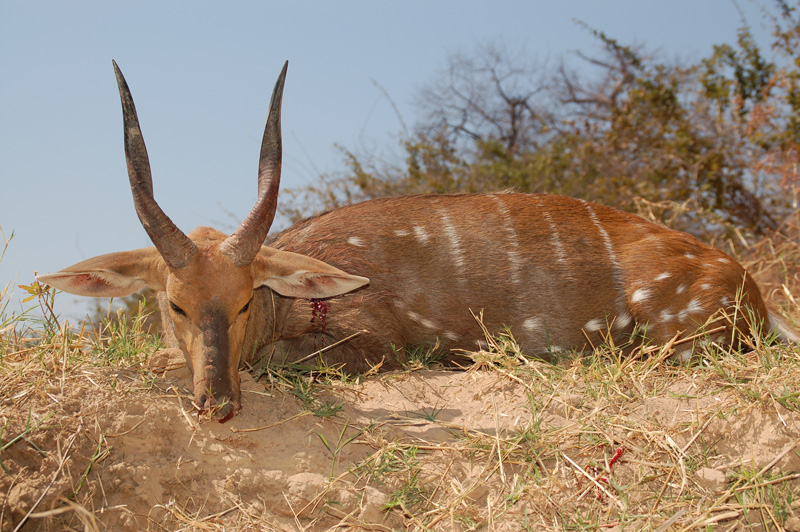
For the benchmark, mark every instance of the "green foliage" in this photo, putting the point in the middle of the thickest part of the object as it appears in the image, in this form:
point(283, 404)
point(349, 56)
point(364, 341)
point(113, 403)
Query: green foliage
point(739, 75)
point(142, 306)
point(29, 428)
point(410, 496)
point(335, 448)
point(418, 357)
point(124, 335)
point(716, 138)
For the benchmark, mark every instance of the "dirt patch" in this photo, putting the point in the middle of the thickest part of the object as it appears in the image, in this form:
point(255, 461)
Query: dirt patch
point(149, 459)
point(105, 449)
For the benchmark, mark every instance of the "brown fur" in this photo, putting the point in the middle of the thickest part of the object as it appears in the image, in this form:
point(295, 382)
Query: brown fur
point(410, 279)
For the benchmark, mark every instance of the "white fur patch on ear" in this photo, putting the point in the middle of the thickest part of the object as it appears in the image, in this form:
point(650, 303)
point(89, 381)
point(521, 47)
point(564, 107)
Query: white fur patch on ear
point(93, 283)
point(314, 285)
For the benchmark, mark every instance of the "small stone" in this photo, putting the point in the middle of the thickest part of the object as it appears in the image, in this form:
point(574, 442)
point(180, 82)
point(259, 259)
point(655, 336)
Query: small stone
point(712, 479)
point(792, 524)
point(372, 511)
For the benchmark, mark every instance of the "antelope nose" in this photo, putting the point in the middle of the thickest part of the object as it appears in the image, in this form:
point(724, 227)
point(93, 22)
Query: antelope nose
point(202, 402)
point(223, 410)
point(227, 411)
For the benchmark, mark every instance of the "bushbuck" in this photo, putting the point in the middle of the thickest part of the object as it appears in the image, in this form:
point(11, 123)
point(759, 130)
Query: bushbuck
point(560, 273)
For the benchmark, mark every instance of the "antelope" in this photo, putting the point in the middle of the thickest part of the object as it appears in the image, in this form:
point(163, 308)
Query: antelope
point(560, 273)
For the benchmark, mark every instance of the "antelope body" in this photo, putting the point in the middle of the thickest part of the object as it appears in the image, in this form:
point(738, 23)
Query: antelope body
point(561, 273)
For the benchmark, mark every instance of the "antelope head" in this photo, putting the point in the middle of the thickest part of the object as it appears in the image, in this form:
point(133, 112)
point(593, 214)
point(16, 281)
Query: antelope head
point(208, 278)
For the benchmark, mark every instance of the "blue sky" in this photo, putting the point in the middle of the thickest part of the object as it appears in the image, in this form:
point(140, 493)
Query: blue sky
point(201, 74)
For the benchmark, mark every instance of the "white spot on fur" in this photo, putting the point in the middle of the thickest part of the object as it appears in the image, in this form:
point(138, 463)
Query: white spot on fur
point(689, 256)
point(619, 285)
point(561, 253)
point(593, 325)
point(421, 234)
point(681, 289)
point(640, 295)
point(533, 325)
point(356, 241)
point(451, 232)
point(693, 308)
point(425, 322)
point(623, 320)
point(453, 337)
point(725, 300)
point(662, 276)
point(723, 260)
point(654, 241)
point(304, 232)
point(516, 265)
point(401, 232)
point(513, 245)
point(603, 234)
point(705, 286)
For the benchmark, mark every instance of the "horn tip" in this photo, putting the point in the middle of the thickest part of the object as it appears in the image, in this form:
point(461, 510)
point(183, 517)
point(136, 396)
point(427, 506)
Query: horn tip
point(118, 74)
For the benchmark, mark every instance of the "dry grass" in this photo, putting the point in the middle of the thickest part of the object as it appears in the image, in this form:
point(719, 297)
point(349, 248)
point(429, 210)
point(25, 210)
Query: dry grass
point(775, 263)
point(610, 443)
point(599, 442)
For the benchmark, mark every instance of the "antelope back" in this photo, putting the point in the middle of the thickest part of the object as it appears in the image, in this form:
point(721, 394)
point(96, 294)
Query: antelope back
point(561, 273)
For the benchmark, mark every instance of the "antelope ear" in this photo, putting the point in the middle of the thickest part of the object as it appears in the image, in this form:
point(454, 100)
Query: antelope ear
point(112, 275)
point(294, 275)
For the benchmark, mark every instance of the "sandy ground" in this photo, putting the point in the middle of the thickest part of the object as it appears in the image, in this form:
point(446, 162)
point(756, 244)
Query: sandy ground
point(108, 451)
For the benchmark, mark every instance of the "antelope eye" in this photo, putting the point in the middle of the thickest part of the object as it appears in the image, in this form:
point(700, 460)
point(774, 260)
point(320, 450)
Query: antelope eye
point(176, 309)
point(244, 308)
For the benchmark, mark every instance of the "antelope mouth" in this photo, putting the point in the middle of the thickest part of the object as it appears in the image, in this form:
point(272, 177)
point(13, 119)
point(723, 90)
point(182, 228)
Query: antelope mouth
point(223, 410)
